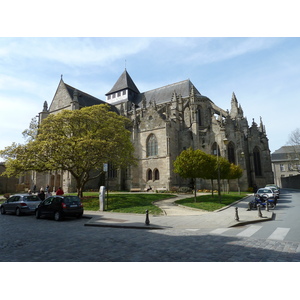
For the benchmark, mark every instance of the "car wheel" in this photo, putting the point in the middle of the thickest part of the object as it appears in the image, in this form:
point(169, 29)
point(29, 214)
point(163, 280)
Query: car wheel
point(3, 212)
point(18, 212)
point(57, 216)
point(37, 214)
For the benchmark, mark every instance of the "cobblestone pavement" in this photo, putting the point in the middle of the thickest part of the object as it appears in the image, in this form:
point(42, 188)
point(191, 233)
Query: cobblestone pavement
point(25, 239)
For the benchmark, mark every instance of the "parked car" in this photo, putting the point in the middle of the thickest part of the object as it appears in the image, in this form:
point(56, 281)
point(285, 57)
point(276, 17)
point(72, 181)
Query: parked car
point(275, 191)
point(266, 193)
point(20, 204)
point(273, 185)
point(59, 207)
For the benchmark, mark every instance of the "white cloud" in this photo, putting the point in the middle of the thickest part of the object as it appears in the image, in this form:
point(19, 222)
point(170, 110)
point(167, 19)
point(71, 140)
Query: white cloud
point(219, 49)
point(73, 51)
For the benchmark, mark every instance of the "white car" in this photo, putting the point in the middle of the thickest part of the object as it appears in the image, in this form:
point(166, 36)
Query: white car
point(275, 191)
point(265, 192)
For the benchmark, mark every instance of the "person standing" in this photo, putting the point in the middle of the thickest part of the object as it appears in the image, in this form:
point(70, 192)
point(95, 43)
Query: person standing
point(41, 194)
point(59, 192)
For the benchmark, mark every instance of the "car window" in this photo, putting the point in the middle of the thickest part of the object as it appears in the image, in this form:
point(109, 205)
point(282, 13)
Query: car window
point(71, 200)
point(32, 198)
point(17, 198)
point(264, 191)
point(56, 200)
point(48, 201)
point(10, 199)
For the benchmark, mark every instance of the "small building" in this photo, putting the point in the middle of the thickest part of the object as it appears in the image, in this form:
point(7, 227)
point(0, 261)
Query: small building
point(285, 163)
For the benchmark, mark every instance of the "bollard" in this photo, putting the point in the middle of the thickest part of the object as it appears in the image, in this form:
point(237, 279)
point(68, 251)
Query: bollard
point(259, 211)
point(236, 214)
point(267, 206)
point(249, 206)
point(147, 222)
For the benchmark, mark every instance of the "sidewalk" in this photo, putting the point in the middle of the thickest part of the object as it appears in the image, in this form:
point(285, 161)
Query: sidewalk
point(180, 217)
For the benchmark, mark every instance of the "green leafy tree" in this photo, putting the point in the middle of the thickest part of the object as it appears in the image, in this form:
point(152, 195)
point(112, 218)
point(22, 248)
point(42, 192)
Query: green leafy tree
point(236, 172)
point(78, 141)
point(219, 168)
point(192, 164)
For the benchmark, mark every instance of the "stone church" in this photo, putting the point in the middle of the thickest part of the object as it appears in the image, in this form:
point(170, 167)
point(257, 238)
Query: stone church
point(165, 121)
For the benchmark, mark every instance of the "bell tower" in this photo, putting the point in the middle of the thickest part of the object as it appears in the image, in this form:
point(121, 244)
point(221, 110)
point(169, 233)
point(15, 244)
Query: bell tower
point(124, 90)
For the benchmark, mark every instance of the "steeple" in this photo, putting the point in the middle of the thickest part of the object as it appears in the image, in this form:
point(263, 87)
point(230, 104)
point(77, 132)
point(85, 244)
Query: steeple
point(124, 89)
point(236, 108)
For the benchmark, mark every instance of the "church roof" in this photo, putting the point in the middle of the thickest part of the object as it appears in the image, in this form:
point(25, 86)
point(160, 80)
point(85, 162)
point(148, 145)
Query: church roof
point(84, 99)
point(165, 93)
point(124, 82)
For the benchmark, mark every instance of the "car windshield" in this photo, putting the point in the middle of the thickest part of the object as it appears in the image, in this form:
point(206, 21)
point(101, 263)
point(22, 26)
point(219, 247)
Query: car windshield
point(71, 200)
point(264, 191)
point(31, 198)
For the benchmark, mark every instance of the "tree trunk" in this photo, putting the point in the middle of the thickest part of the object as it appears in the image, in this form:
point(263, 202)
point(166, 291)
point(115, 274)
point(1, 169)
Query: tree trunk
point(195, 193)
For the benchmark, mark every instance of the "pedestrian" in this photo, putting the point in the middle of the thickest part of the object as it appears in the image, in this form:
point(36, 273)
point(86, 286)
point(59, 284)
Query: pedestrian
point(48, 194)
point(47, 188)
point(41, 194)
point(59, 191)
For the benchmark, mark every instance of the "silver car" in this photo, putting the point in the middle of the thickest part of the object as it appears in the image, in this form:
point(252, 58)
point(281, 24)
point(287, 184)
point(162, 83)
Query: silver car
point(20, 204)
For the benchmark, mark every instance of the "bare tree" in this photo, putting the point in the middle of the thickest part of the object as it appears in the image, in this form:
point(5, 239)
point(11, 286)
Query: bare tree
point(293, 151)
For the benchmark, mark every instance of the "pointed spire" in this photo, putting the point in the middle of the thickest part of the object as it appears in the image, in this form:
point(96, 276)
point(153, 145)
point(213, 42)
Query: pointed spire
point(124, 82)
point(262, 127)
point(45, 109)
point(233, 98)
point(234, 107)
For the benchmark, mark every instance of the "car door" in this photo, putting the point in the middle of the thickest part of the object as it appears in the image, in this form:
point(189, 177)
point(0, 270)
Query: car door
point(14, 203)
point(9, 204)
point(45, 207)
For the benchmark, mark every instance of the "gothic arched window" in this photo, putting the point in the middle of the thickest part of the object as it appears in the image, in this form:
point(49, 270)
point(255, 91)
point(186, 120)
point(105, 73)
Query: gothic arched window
point(257, 162)
point(199, 117)
point(231, 153)
point(152, 145)
point(149, 174)
point(156, 174)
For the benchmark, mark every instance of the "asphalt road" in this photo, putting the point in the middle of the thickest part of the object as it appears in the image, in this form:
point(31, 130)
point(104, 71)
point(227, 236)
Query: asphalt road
point(26, 239)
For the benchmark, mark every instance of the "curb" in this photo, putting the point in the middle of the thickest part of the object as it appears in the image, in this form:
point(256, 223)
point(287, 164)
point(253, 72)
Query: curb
point(263, 219)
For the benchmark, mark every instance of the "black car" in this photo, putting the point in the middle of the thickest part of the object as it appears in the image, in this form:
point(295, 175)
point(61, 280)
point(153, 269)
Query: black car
point(59, 207)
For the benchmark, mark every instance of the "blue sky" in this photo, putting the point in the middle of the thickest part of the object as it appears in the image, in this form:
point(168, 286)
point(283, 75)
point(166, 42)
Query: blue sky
point(262, 72)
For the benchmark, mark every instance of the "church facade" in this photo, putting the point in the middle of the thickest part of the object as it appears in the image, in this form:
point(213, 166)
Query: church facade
point(164, 122)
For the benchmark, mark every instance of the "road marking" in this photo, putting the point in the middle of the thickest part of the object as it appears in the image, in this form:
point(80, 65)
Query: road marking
point(249, 231)
point(219, 230)
point(279, 234)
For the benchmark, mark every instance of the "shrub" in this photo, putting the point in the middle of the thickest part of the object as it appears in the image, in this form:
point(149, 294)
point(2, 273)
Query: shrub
point(185, 189)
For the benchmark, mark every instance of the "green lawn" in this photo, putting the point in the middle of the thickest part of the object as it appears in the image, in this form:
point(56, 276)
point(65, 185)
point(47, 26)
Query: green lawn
point(139, 203)
point(126, 203)
point(209, 203)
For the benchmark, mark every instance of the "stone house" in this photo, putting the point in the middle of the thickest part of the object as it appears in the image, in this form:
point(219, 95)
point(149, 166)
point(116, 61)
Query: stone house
point(285, 163)
point(165, 121)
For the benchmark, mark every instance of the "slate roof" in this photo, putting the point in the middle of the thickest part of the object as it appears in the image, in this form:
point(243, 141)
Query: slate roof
point(124, 82)
point(165, 93)
point(84, 99)
point(286, 153)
